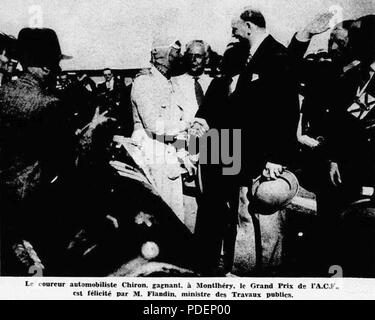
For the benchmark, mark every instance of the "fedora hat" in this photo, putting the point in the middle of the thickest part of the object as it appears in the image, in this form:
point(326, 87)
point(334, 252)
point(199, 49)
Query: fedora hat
point(270, 196)
point(39, 47)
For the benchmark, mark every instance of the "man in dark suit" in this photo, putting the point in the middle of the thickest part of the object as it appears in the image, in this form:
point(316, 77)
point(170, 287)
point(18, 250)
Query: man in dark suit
point(260, 85)
point(353, 108)
point(351, 141)
point(37, 160)
point(219, 199)
point(108, 84)
point(269, 132)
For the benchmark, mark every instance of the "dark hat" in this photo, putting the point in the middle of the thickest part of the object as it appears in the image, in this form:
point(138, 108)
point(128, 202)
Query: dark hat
point(39, 47)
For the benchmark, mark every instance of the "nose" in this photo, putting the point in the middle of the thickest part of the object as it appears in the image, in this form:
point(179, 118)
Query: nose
point(194, 59)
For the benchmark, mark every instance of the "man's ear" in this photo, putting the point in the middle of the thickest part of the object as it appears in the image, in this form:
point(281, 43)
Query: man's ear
point(249, 26)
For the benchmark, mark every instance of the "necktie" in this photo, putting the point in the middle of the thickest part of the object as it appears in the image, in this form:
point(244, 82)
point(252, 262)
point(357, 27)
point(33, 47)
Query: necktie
point(199, 95)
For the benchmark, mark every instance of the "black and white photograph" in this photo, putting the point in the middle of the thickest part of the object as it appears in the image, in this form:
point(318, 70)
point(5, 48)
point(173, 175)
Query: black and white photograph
point(186, 138)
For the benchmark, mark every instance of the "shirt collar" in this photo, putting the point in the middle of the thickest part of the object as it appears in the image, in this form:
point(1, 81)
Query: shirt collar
point(255, 46)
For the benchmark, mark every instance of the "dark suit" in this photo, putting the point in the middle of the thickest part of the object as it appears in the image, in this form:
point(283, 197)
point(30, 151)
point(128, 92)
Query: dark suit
point(216, 206)
point(269, 135)
point(265, 107)
point(36, 146)
point(102, 87)
point(269, 130)
point(348, 142)
point(351, 143)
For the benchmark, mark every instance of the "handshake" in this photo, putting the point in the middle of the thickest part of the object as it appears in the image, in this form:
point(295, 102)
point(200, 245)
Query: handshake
point(198, 128)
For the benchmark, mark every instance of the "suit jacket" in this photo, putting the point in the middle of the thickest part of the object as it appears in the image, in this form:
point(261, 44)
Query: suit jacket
point(297, 49)
point(221, 110)
point(216, 107)
point(102, 87)
point(350, 143)
point(34, 139)
point(269, 109)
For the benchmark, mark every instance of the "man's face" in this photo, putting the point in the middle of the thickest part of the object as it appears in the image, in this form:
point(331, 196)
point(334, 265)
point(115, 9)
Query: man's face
point(240, 30)
point(196, 59)
point(107, 75)
point(339, 44)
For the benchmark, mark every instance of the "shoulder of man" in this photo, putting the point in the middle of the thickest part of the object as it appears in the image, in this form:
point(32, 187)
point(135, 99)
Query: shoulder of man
point(143, 76)
point(272, 49)
point(142, 84)
point(144, 72)
point(181, 78)
point(277, 61)
point(25, 99)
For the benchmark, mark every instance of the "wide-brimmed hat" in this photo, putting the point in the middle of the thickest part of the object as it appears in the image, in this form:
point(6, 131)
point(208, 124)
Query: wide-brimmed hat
point(270, 196)
point(39, 47)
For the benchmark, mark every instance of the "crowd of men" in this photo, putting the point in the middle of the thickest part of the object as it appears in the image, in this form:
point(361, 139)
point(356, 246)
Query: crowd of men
point(62, 146)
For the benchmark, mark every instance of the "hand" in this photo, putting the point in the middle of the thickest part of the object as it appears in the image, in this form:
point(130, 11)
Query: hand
point(334, 174)
point(202, 122)
point(272, 170)
point(100, 118)
point(190, 167)
point(309, 142)
point(187, 161)
point(199, 127)
point(319, 25)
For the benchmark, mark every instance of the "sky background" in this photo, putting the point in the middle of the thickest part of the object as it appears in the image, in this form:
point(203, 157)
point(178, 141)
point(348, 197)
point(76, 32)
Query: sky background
point(119, 33)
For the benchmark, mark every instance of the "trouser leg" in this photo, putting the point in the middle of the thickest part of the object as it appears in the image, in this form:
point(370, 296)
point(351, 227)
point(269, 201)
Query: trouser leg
point(272, 240)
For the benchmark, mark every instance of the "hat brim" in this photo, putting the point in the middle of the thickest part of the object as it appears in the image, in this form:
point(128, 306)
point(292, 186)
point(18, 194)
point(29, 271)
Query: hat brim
point(264, 209)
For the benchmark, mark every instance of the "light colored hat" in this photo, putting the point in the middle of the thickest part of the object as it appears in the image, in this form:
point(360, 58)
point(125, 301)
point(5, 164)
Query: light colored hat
point(160, 42)
point(270, 196)
point(161, 47)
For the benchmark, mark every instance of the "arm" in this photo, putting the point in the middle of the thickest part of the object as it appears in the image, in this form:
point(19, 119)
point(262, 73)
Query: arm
point(298, 48)
point(301, 40)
